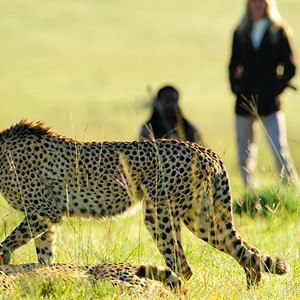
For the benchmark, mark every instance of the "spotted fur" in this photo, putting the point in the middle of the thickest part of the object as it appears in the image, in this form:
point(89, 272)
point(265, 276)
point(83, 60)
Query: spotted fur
point(48, 176)
point(141, 278)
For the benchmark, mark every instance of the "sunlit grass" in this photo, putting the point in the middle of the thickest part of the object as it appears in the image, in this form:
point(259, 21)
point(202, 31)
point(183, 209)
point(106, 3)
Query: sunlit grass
point(85, 68)
point(215, 275)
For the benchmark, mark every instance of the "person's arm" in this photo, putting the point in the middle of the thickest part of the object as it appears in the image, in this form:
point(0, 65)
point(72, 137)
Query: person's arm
point(287, 62)
point(235, 66)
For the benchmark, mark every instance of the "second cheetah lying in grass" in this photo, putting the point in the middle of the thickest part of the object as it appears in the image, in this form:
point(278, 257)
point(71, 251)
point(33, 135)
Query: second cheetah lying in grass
point(124, 276)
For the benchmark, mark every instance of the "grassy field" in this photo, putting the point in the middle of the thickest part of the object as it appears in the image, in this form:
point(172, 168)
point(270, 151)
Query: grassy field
point(89, 69)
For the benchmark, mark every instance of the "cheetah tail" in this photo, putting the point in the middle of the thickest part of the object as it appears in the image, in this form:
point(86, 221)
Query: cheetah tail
point(275, 265)
point(262, 263)
point(162, 274)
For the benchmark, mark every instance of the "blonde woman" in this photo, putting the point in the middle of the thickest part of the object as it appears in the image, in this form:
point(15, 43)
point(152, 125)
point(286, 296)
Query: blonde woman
point(261, 67)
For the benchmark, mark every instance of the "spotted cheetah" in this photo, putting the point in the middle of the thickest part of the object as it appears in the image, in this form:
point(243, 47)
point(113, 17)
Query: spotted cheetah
point(141, 278)
point(48, 176)
point(7, 284)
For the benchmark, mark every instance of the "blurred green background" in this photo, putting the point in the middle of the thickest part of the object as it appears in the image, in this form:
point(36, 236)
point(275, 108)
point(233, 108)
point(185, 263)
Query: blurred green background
point(89, 68)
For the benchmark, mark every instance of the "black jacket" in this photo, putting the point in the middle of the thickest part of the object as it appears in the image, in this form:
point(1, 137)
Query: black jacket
point(162, 128)
point(260, 74)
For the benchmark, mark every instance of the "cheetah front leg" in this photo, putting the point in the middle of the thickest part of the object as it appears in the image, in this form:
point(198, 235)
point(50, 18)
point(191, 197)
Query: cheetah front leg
point(44, 245)
point(166, 232)
point(31, 227)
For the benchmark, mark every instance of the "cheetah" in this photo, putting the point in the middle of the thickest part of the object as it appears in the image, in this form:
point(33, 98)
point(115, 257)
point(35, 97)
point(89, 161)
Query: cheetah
point(48, 177)
point(126, 277)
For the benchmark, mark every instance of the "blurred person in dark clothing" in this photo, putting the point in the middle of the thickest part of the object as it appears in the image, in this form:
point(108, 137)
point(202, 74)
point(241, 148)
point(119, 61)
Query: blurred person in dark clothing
point(261, 67)
point(167, 120)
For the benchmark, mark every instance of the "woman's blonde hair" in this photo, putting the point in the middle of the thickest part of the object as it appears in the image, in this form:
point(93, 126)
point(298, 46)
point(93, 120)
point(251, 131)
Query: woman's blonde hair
point(272, 14)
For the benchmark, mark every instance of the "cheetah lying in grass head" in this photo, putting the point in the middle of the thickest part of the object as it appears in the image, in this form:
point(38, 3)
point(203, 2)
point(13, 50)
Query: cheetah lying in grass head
point(48, 176)
point(126, 277)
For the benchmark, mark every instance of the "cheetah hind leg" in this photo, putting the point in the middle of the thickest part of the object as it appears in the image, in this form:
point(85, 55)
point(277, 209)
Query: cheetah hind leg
point(246, 255)
point(233, 244)
point(252, 277)
point(218, 230)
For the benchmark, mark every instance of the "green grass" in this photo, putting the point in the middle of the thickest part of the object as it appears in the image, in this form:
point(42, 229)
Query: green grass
point(216, 275)
point(89, 68)
point(267, 201)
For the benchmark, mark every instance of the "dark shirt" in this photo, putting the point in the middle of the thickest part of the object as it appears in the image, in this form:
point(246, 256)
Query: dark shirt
point(158, 127)
point(260, 74)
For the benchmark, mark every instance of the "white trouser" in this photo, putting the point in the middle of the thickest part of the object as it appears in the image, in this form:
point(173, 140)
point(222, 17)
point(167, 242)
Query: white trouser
point(275, 129)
